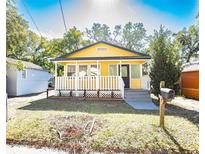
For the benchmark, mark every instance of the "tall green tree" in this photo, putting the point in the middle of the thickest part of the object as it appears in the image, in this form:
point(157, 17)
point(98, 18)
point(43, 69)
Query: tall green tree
point(165, 64)
point(38, 51)
point(56, 47)
point(117, 34)
point(99, 32)
point(16, 32)
point(134, 36)
point(188, 40)
point(73, 40)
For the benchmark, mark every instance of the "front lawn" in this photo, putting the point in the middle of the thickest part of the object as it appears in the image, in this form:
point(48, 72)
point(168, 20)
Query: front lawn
point(107, 126)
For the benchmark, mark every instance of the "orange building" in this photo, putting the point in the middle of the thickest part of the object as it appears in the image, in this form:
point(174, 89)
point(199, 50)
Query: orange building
point(190, 81)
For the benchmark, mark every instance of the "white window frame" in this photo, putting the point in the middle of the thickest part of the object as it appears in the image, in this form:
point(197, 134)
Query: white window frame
point(140, 73)
point(98, 65)
point(25, 74)
point(88, 69)
point(67, 69)
point(88, 65)
point(109, 69)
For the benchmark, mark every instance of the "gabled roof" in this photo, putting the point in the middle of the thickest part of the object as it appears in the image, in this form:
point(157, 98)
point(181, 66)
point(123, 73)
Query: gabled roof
point(141, 55)
point(26, 64)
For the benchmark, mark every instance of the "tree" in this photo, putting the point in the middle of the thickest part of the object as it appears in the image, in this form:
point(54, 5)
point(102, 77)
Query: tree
point(56, 47)
point(16, 32)
point(117, 34)
point(38, 51)
point(133, 36)
point(165, 64)
point(188, 40)
point(99, 32)
point(73, 40)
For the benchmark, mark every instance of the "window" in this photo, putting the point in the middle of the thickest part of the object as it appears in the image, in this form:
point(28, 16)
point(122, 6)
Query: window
point(23, 74)
point(71, 70)
point(101, 49)
point(83, 70)
point(135, 71)
point(113, 70)
point(94, 70)
point(124, 70)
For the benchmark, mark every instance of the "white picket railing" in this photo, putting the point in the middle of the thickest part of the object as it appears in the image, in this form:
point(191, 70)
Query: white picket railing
point(108, 83)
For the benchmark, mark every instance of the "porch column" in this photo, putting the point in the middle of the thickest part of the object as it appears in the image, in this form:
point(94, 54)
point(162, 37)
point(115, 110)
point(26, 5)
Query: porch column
point(55, 75)
point(65, 70)
point(141, 70)
point(76, 78)
point(120, 68)
point(97, 79)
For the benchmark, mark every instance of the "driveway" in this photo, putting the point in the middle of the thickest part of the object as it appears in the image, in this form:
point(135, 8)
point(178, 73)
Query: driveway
point(28, 98)
point(139, 100)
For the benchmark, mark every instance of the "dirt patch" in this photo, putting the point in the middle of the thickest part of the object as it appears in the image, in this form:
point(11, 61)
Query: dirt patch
point(75, 129)
point(69, 133)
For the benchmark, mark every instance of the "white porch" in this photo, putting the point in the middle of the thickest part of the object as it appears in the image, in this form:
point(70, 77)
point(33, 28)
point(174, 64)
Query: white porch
point(80, 83)
point(90, 86)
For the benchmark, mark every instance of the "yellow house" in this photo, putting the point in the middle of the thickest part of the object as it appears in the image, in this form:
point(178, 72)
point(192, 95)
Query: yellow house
point(101, 69)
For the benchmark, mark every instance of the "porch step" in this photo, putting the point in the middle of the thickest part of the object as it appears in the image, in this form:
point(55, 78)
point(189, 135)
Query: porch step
point(139, 100)
point(140, 96)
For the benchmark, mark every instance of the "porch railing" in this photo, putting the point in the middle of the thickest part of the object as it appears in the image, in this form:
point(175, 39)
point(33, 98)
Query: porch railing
point(105, 83)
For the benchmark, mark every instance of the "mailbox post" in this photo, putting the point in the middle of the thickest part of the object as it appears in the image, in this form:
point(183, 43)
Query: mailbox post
point(166, 94)
point(162, 110)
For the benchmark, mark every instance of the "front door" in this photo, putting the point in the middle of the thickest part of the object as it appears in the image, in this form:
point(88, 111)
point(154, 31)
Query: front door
point(125, 75)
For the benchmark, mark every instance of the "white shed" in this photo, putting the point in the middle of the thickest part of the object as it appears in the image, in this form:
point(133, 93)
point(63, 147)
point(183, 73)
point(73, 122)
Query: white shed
point(33, 79)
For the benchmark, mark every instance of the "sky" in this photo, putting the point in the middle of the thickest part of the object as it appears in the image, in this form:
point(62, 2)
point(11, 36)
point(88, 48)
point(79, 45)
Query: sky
point(173, 14)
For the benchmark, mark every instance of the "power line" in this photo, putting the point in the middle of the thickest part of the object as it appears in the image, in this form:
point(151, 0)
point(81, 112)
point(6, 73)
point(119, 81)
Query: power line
point(27, 10)
point(63, 15)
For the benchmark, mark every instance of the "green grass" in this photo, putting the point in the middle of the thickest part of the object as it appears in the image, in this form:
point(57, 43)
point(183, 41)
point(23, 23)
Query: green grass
point(117, 128)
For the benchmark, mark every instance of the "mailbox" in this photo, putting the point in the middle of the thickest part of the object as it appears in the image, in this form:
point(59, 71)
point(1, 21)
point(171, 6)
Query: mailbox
point(167, 93)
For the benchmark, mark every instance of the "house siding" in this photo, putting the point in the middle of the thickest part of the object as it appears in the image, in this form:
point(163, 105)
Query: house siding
point(35, 82)
point(11, 82)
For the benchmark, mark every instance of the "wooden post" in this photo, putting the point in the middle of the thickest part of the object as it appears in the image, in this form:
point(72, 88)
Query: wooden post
point(97, 79)
point(84, 95)
point(162, 84)
point(162, 106)
point(112, 94)
point(56, 74)
point(76, 78)
point(6, 107)
point(162, 111)
point(47, 93)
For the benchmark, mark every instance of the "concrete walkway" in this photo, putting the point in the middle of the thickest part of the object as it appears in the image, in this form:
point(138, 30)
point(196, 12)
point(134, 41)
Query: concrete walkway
point(139, 99)
point(186, 103)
